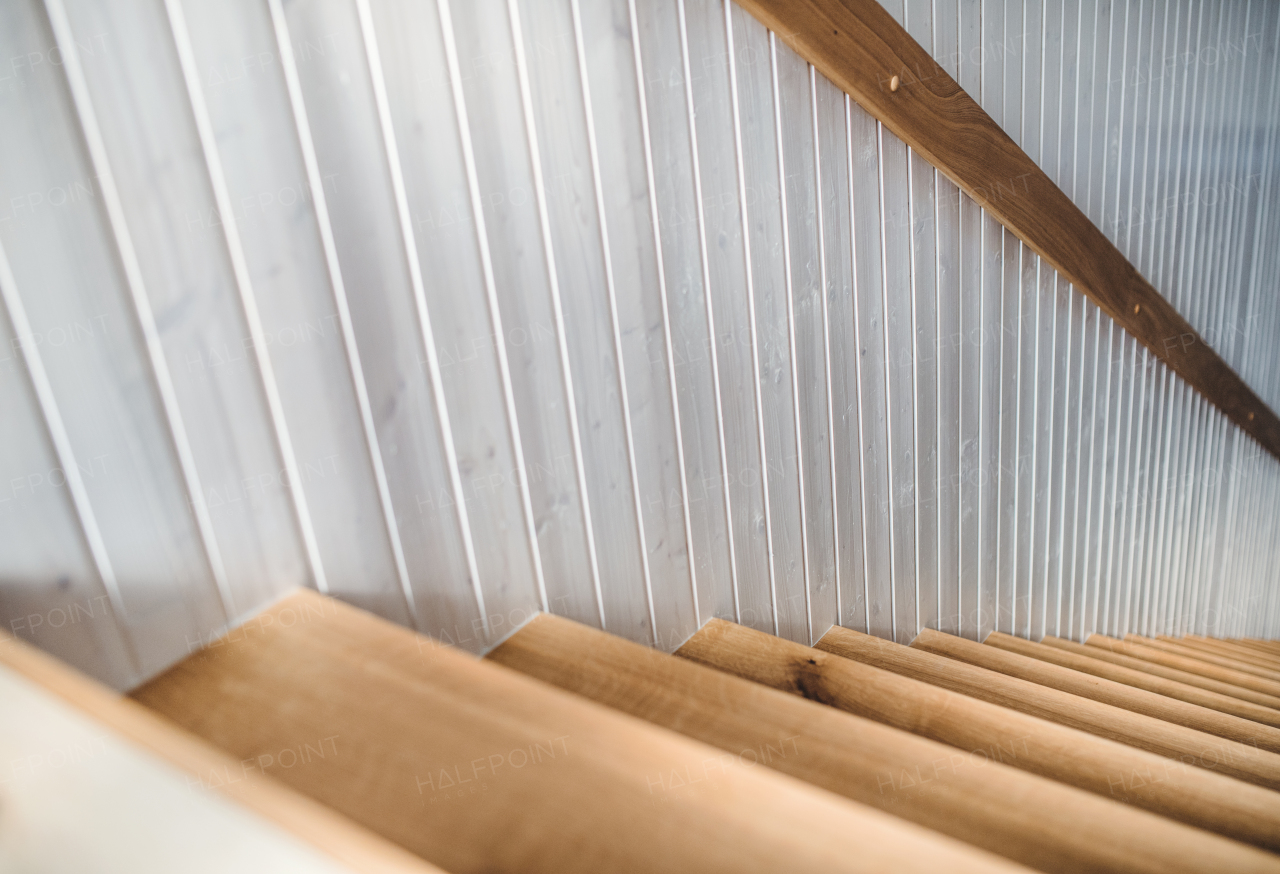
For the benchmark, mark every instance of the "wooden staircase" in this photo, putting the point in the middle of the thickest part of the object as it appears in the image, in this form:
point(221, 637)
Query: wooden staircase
point(569, 749)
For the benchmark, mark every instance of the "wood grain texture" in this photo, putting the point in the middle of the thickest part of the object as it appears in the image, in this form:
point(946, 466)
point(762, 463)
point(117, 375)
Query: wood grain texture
point(1113, 692)
point(858, 45)
point(297, 814)
point(1104, 720)
point(1030, 819)
point(1226, 648)
point(1103, 654)
point(1138, 679)
point(989, 732)
point(481, 769)
point(1184, 663)
point(1201, 655)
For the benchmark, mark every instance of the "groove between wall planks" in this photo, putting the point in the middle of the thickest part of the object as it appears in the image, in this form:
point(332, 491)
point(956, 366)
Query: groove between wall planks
point(858, 45)
point(1106, 691)
point(1137, 678)
point(993, 806)
point(313, 823)
point(1184, 663)
point(428, 740)
point(1165, 786)
point(1144, 732)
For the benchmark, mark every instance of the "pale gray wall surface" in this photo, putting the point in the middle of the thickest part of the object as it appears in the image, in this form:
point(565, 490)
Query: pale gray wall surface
point(616, 309)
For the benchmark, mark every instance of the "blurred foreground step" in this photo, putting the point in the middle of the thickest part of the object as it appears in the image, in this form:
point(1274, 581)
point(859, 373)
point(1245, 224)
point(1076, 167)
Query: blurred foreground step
point(1030, 819)
point(1165, 786)
point(480, 769)
point(91, 781)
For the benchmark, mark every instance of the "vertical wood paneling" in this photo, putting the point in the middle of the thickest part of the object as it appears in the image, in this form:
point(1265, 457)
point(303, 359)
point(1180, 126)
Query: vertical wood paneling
point(663, 40)
point(237, 63)
point(639, 325)
point(619, 310)
point(869, 337)
point(52, 591)
point(65, 267)
point(764, 158)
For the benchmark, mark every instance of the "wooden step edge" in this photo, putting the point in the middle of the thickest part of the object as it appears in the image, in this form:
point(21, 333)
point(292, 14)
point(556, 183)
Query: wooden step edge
point(1113, 770)
point(313, 823)
point(1027, 818)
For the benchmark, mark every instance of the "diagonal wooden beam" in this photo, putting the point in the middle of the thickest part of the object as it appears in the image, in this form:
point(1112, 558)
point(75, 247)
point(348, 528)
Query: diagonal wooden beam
point(858, 46)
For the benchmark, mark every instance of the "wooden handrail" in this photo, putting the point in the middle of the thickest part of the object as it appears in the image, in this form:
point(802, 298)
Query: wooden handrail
point(1170, 788)
point(1138, 679)
point(859, 47)
point(1184, 663)
point(917, 779)
point(1180, 713)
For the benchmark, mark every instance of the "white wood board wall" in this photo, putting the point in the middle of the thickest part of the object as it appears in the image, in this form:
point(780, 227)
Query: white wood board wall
point(464, 311)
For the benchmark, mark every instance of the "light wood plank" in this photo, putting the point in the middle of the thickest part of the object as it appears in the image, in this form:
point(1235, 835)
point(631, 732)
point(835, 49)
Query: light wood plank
point(1228, 649)
point(1171, 788)
point(1233, 664)
point(1184, 663)
point(480, 769)
point(1007, 661)
point(1100, 653)
point(1144, 732)
point(1136, 678)
point(1027, 818)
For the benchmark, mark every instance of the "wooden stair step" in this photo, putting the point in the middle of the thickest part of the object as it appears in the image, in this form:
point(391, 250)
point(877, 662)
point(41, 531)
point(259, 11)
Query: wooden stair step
point(1261, 742)
point(1104, 720)
point(478, 768)
point(1225, 649)
point(1030, 819)
point(1184, 663)
point(1215, 701)
point(1141, 667)
point(1168, 787)
point(1209, 657)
